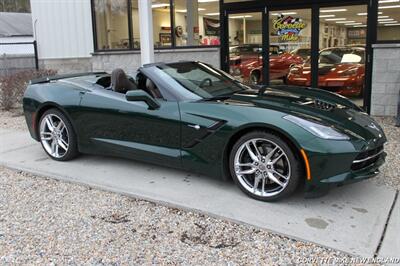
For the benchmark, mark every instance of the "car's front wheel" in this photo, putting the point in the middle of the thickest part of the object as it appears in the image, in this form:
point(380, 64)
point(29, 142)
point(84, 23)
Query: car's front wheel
point(255, 77)
point(57, 136)
point(264, 166)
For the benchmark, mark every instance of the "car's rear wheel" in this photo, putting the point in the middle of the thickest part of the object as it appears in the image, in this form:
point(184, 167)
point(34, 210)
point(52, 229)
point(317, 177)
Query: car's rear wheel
point(57, 136)
point(264, 166)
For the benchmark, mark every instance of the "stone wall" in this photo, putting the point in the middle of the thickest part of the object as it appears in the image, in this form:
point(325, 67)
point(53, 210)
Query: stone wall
point(385, 79)
point(130, 61)
point(67, 65)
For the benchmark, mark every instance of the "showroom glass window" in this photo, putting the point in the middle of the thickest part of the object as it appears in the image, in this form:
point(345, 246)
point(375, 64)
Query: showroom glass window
point(342, 42)
point(196, 22)
point(388, 20)
point(111, 18)
point(161, 23)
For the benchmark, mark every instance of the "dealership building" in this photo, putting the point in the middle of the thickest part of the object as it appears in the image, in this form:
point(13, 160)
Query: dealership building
point(346, 46)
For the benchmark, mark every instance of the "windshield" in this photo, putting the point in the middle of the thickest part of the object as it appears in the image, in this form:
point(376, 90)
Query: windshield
point(251, 49)
point(342, 56)
point(202, 79)
point(302, 52)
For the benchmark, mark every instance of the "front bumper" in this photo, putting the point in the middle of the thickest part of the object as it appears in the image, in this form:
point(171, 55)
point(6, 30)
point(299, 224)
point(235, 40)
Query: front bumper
point(348, 162)
point(347, 86)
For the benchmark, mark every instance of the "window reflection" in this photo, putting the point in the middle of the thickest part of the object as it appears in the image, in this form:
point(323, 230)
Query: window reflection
point(112, 24)
point(389, 21)
point(196, 23)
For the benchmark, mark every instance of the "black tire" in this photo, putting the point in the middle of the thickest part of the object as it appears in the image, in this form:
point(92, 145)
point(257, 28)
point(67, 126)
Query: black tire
point(72, 151)
point(296, 167)
point(255, 77)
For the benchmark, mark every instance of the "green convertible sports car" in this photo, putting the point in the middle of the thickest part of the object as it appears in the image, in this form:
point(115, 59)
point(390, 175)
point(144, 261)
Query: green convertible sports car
point(189, 115)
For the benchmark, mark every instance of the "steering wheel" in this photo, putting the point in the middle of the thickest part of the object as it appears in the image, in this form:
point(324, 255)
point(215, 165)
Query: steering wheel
point(203, 82)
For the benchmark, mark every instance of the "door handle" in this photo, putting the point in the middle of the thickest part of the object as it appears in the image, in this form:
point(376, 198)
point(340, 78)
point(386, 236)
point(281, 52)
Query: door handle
point(197, 127)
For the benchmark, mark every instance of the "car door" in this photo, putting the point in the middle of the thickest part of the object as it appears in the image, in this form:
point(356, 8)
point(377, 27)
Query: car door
point(111, 125)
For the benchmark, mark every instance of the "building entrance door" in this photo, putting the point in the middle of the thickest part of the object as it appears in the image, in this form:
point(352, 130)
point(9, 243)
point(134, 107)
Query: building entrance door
point(322, 46)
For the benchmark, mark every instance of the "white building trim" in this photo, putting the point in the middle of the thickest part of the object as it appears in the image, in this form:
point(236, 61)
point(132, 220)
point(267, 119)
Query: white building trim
point(146, 29)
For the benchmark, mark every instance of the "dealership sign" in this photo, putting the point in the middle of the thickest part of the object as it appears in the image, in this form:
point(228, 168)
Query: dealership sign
point(288, 28)
point(211, 26)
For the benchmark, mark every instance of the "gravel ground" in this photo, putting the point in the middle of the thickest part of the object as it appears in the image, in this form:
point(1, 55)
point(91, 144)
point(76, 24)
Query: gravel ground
point(13, 119)
point(44, 221)
point(390, 172)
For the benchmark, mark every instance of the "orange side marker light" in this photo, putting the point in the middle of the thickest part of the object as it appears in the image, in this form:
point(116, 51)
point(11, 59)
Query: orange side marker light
point(307, 164)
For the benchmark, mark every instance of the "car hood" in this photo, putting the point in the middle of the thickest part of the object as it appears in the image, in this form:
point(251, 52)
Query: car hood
point(324, 69)
point(325, 107)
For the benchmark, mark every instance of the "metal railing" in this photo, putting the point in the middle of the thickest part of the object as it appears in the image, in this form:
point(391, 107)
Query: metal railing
point(18, 56)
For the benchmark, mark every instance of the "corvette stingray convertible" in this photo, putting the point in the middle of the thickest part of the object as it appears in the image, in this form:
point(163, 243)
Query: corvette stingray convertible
point(340, 70)
point(189, 115)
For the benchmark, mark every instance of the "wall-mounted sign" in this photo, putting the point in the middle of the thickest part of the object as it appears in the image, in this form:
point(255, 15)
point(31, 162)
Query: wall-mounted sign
point(356, 33)
point(211, 26)
point(288, 28)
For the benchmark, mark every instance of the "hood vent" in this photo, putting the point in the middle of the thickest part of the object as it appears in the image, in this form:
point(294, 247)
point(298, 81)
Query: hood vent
point(324, 105)
point(319, 104)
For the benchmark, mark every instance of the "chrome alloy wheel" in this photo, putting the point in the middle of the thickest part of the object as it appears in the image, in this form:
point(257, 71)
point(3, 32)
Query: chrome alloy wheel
point(262, 167)
point(54, 135)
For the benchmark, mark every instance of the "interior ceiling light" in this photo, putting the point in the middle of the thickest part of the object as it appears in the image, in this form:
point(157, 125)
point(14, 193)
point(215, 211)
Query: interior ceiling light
point(207, 1)
point(347, 21)
point(352, 24)
point(397, 24)
point(388, 1)
point(385, 19)
point(159, 5)
point(387, 7)
point(383, 16)
point(333, 10)
point(284, 13)
point(185, 10)
point(212, 14)
point(387, 22)
point(366, 14)
point(327, 16)
point(334, 19)
point(246, 16)
point(359, 26)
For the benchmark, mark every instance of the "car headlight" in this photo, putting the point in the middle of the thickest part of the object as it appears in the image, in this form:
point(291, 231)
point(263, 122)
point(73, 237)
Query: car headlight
point(235, 71)
point(349, 72)
point(319, 130)
point(295, 71)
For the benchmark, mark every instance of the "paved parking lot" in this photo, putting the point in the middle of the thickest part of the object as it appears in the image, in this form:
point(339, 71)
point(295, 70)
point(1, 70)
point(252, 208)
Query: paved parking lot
point(351, 218)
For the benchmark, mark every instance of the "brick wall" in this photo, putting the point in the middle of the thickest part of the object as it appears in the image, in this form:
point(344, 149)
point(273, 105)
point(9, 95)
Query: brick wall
point(385, 79)
point(67, 65)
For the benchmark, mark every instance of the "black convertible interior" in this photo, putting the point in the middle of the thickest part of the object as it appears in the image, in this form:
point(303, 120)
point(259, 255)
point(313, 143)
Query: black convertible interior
point(121, 83)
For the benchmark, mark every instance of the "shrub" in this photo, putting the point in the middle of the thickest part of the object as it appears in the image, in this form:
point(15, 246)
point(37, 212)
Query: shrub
point(12, 86)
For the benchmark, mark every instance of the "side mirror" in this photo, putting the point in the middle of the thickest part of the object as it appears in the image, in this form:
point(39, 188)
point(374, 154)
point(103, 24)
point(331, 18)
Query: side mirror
point(142, 96)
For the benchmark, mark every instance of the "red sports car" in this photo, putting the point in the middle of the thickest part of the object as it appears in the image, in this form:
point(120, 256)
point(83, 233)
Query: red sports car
point(341, 70)
point(246, 63)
